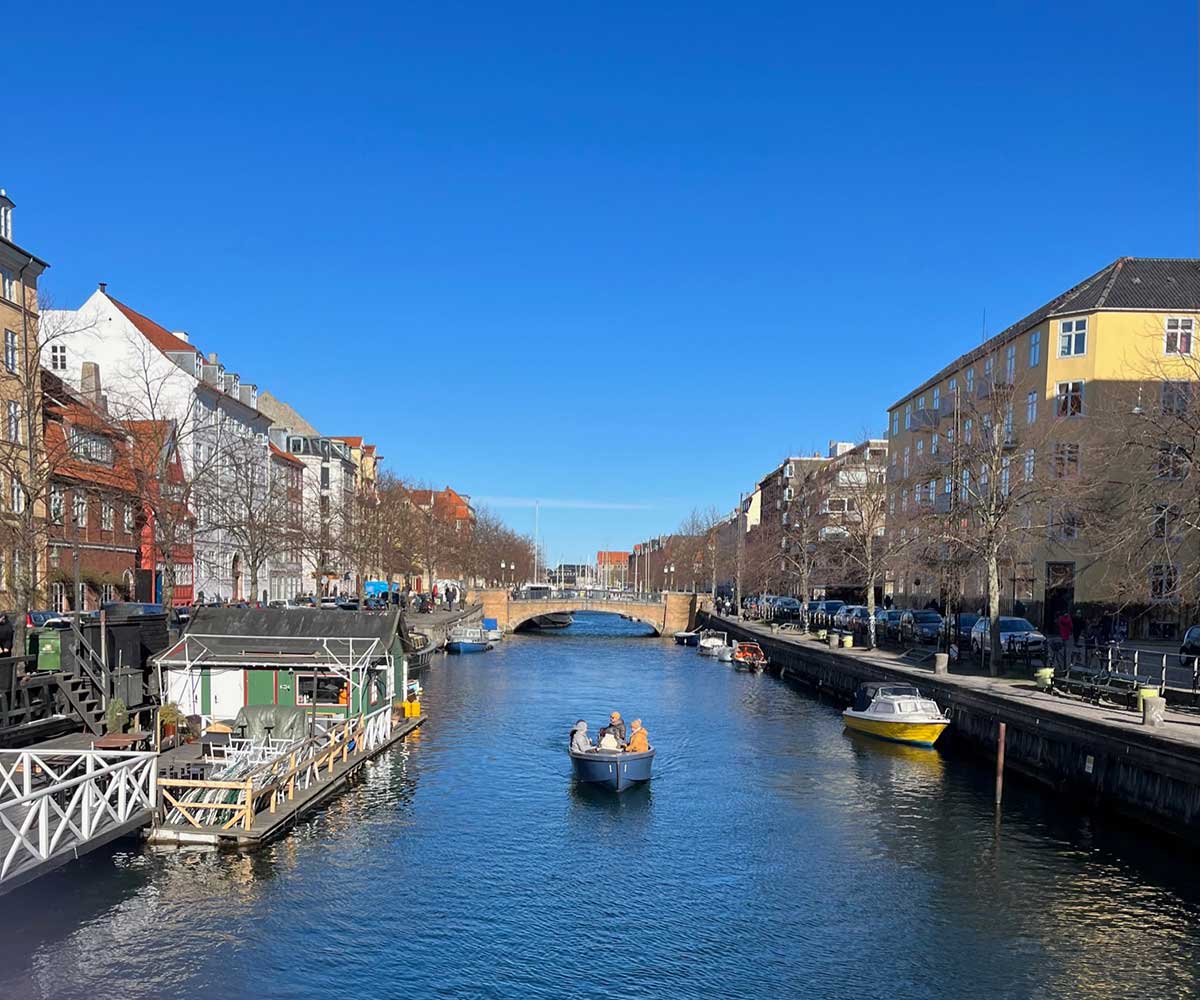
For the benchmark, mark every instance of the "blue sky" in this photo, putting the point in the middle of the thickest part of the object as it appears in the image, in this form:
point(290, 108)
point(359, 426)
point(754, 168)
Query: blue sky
point(621, 257)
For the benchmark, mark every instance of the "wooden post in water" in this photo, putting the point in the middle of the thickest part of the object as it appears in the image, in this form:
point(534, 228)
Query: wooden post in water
point(1000, 763)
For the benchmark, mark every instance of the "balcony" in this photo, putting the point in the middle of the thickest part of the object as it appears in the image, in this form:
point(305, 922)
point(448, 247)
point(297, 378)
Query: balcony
point(924, 419)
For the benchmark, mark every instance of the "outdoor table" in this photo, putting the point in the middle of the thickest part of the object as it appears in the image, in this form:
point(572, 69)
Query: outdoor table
point(121, 741)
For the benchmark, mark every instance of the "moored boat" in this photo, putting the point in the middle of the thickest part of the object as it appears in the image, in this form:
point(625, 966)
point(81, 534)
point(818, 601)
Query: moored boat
point(712, 642)
point(686, 638)
point(749, 656)
point(725, 654)
point(467, 639)
point(896, 712)
point(614, 769)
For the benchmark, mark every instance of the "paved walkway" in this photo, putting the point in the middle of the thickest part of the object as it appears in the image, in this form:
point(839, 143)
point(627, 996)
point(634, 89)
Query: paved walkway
point(1181, 729)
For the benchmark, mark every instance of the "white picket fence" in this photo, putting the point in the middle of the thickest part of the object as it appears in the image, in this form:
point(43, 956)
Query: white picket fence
point(56, 803)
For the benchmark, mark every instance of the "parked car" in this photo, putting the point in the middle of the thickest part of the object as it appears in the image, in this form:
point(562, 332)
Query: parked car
point(1015, 635)
point(920, 626)
point(283, 605)
point(887, 624)
point(786, 609)
point(963, 622)
point(1189, 648)
point(859, 620)
point(827, 611)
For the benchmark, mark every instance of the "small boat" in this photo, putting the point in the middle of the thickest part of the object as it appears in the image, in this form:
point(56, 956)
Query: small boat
point(491, 630)
point(467, 639)
point(896, 712)
point(711, 642)
point(749, 656)
point(612, 768)
point(555, 619)
point(685, 638)
point(725, 654)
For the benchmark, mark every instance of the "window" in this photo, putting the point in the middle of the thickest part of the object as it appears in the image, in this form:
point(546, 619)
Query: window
point(1029, 465)
point(1031, 408)
point(987, 370)
point(920, 448)
point(952, 386)
point(1172, 461)
point(127, 519)
point(967, 431)
point(10, 351)
point(1164, 520)
point(91, 447)
point(58, 357)
point(58, 597)
point(892, 504)
point(6, 222)
point(904, 501)
point(949, 486)
point(1070, 399)
point(921, 404)
point(1008, 422)
point(106, 514)
point(1064, 524)
point(965, 492)
point(1164, 582)
point(933, 444)
point(324, 477)
point(907, 416)
point(1176, 398)
point(896, 422)
point(984, 477)
point(787, 471)
point(1035, 348)
point(1010, 364)
point(14, 421)
point(937, 398)
point(1179, 335)
point(835, 505)
point(1072, 338)
point(8, 285)
point(787, 494)
point(18, 496)
point(79, 509)
point(932, 491)
point(1004, 476)
point(905, 463)
point(970, 381)
point(57, 504)
point(1066, 461)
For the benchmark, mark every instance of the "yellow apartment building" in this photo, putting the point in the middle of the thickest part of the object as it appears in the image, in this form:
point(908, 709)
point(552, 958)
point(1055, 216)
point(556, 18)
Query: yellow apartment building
point(1052, 390)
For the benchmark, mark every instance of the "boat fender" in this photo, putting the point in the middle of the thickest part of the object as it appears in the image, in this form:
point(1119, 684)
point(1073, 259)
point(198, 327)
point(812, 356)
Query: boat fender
point(351, 745)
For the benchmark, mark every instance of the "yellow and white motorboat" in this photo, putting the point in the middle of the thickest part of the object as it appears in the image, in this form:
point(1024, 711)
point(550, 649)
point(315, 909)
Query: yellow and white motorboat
point(895, 712)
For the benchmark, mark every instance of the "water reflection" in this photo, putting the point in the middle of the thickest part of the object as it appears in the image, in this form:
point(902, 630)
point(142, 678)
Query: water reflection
point(769, 853)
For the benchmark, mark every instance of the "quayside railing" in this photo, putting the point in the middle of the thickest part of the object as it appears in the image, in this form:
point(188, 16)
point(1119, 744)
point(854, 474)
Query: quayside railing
point(260, 776)
point(53, 802)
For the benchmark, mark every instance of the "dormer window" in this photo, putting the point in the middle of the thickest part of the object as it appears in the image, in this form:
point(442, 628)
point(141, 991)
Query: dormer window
point(91, 447)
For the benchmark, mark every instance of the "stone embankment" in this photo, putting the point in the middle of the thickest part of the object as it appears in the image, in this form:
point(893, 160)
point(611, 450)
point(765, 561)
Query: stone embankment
point(1100, 754)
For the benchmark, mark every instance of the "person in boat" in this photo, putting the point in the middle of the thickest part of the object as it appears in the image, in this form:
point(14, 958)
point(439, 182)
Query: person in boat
point(639, 739)
point(615, 729)
point(579, 738)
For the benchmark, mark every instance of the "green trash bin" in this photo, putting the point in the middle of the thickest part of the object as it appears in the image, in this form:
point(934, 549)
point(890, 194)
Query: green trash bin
point(49, 648)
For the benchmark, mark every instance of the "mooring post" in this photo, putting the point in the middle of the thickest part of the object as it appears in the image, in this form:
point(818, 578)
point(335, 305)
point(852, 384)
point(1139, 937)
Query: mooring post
point(1000, 763)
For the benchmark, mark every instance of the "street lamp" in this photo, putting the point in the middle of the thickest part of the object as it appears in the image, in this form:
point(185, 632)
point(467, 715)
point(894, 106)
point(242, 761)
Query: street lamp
point(503, 567)
point(671, 570)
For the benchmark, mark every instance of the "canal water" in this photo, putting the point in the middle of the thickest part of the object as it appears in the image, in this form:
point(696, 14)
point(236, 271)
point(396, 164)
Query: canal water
point(774, 855)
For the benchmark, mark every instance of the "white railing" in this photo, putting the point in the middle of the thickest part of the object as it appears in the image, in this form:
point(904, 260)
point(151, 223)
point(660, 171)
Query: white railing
point(54, 802)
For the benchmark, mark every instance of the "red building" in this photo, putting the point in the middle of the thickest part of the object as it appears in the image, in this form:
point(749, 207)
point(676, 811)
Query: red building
point(93, 509)
point(155, 448)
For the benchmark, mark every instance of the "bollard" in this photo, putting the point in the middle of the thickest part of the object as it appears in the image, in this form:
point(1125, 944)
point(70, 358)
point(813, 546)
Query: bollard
point(941, 663)
point(1000, 763)
point(1154, 711)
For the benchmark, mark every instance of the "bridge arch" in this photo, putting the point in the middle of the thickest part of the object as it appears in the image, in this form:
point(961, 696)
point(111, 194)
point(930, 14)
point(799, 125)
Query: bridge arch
point(673, 612)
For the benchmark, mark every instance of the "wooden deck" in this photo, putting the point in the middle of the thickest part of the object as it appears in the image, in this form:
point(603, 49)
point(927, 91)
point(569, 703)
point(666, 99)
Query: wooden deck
point(266, 825)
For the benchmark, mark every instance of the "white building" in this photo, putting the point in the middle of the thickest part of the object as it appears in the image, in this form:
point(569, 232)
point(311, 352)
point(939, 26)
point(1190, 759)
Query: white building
point(151, 373)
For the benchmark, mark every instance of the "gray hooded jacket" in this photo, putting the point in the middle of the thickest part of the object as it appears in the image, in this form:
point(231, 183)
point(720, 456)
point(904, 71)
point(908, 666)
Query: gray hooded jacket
point(579, 738)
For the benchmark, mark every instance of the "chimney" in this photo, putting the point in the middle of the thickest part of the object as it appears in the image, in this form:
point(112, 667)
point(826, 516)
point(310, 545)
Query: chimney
point(89, 382)
point(182, 335)
point(6, 207)
point(104, 288)
point(212, 357)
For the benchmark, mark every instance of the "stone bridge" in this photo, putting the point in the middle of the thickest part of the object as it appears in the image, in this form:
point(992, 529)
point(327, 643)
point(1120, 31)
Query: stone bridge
point(669, 614)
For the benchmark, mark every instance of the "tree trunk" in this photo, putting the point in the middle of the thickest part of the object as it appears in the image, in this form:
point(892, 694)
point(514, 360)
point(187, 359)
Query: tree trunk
point(993, 609)
point(870, 593)
point(253, 598)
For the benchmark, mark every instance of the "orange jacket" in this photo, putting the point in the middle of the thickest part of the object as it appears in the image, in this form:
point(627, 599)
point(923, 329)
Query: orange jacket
point(638, 741)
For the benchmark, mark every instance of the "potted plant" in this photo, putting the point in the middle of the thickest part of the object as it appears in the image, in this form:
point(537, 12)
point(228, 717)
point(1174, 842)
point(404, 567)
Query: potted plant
point(170, 718)
point(117, 716)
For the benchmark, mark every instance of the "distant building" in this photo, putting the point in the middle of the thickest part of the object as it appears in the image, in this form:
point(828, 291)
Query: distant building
point(612, 569)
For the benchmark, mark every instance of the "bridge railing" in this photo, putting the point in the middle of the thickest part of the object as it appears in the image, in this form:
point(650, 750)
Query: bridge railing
point(54, 801)
point(593, 596)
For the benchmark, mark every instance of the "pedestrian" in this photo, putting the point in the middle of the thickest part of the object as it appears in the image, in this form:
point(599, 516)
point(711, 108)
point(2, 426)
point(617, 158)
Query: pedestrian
point(6, 635)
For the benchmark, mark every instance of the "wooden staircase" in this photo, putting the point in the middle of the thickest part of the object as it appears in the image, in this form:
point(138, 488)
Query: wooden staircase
point(85, 702)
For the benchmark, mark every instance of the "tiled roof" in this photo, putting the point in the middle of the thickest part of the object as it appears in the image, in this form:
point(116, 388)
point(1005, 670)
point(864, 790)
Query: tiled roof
point(611, 558)
point(353, 442)
point(159, 336)
point(63, 408)
point(1126, 283)
point(286, 456)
